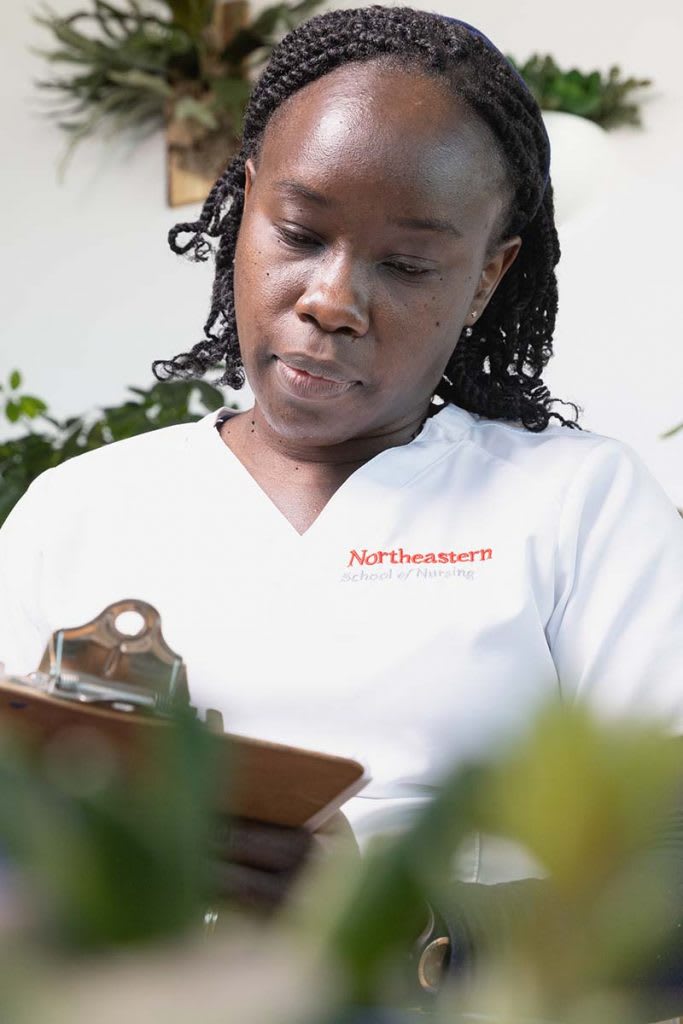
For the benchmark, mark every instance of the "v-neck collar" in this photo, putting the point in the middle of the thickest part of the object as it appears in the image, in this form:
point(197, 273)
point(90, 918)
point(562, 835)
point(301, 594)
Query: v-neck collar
point(385, 472)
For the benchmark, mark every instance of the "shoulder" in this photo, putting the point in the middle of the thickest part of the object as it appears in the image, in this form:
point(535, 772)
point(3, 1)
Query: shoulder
point(158, 469)
point(556, 462)
point(147, 456)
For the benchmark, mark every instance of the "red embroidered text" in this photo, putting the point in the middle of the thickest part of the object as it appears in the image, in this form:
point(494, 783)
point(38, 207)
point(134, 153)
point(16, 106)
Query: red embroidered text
point(397, 556)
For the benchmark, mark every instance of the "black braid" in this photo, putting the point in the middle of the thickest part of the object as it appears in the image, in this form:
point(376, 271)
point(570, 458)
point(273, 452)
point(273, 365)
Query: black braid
point(496, 366)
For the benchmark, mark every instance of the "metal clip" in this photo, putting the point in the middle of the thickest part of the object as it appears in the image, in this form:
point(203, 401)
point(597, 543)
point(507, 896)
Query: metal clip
point(102, 664)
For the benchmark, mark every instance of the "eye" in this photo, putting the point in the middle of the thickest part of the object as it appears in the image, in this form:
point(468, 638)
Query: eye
point(408, 269)
point(294, 238)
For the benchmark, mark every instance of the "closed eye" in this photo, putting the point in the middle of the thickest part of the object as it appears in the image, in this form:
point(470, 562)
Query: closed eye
point(294, 238)
point(299, 240)
point(409, 269)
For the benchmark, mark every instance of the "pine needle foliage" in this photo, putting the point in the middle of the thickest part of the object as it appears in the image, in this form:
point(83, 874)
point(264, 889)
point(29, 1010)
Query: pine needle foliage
point(131, 65)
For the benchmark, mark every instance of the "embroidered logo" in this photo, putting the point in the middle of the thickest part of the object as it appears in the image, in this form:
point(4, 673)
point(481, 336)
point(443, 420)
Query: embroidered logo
point(397, 556)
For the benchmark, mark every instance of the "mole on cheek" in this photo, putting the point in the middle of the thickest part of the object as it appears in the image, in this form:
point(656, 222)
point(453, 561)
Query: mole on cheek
point(438, 323)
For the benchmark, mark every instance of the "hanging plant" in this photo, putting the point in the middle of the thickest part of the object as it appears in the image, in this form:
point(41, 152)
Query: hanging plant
point(140, 65)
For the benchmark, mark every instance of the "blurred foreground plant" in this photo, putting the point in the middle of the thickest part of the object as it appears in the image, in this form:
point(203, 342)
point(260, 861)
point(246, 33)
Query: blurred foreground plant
point(588, 801)
point(47, 442)
point(109, 859)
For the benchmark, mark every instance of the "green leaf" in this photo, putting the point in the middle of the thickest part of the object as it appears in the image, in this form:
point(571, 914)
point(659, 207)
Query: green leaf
point(14, 380)
point(231, 94)
point(142, 80)
point(95, 437)
point(13, 412)
point(212, 398)
point(31, 406)
point(75, 40)
point(191, 15)
point(190, 109)
point(603, 99)
point(262, 31)
point(173, 394)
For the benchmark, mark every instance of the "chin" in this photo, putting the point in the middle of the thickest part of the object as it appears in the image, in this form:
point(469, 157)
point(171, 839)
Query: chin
point(316, 423)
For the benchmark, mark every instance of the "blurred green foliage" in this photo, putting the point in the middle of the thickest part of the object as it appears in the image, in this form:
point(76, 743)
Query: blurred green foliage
point(116, 866)
point(46, 441)
point(110, 860)
point(588, 801)
point(605, 99)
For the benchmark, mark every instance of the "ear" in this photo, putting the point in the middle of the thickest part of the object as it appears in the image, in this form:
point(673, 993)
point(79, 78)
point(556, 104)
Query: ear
point(493, 272)
point(249, 176)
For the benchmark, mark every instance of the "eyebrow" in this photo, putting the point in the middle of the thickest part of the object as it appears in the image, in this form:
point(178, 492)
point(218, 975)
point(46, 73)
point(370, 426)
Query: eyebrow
point(298, 191)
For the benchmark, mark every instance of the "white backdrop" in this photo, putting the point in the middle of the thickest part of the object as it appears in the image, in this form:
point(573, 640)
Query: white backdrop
point(91, 294)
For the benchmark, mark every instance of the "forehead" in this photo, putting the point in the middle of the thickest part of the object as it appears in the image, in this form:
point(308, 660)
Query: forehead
point(383, 124)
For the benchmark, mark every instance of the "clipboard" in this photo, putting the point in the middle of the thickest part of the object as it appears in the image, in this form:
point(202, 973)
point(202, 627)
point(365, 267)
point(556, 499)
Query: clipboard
point(124, 684)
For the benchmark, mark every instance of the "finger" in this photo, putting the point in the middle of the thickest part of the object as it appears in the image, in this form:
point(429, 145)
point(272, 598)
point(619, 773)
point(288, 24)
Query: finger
point(247, 886)
point(259, 845)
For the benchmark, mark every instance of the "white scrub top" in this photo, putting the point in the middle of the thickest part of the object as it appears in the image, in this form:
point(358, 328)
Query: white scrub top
point(450, 587)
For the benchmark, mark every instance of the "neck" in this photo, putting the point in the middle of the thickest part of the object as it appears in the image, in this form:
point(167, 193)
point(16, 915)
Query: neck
point(353, 451)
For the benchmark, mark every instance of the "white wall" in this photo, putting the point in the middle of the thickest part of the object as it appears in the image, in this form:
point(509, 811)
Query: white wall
point(91, 294)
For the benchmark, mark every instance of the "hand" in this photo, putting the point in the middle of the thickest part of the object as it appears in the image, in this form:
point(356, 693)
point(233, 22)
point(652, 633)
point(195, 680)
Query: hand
point(254, 864)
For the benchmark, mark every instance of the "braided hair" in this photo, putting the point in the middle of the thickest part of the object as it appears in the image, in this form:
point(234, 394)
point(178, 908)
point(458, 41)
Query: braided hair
point(496, 365)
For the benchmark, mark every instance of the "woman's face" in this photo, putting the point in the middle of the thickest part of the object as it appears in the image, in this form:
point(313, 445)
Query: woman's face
point(367, 241)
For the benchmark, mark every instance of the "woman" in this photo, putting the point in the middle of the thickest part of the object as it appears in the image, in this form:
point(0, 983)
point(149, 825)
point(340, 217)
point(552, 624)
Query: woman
point(401, 550)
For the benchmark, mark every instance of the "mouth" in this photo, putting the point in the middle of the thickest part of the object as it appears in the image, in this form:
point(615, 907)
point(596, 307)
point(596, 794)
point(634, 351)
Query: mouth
point(306, 378)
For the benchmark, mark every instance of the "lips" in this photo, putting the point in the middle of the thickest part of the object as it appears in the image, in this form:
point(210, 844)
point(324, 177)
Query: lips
point(308, 378)
point(321, 369)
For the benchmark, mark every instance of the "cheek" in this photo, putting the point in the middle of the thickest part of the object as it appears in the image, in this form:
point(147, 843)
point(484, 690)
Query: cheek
point(252, 298)
point(428, 329)
point(265, 288)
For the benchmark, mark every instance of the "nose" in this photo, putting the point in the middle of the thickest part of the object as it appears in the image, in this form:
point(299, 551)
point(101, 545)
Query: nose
point(336, 297)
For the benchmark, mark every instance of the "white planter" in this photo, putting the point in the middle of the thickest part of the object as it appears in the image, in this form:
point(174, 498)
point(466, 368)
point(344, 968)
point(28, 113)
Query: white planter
point(582, 164)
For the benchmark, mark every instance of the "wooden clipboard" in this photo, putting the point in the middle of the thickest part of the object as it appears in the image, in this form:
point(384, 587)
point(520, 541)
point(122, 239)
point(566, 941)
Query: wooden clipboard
point(265, 781)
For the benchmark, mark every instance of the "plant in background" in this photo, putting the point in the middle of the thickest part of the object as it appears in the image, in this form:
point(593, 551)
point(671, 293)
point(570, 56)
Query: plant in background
point(605, 99)
point(136, 65)
point(139, 64)
point(48, 441)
